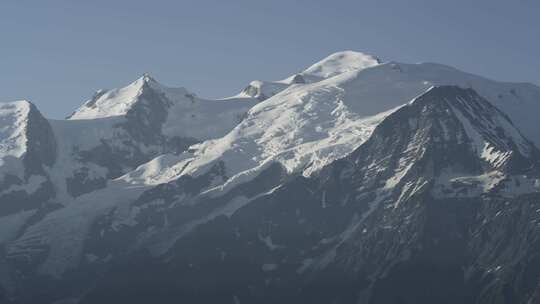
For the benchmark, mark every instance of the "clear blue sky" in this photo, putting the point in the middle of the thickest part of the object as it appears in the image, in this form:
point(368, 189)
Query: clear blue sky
point(57, 53)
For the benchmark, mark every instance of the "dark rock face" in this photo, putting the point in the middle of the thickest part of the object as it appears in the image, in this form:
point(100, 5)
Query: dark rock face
point(41, 144)
point(145, 120)
point(414, 215)
point(251, 91)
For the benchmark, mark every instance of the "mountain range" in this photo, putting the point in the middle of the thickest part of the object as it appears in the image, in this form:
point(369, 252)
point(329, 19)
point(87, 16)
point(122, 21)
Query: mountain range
point(356, 180)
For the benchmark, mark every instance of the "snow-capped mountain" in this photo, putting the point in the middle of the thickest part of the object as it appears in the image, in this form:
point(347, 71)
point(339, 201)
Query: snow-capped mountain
point(175, 112)
point(334, 185)
point(120, 129)
point(330, 66)
point(307, 126)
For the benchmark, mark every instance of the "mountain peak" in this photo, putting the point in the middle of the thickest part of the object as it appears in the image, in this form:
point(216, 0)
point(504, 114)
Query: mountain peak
point(332, 65)
point(341, 62)
point(116, 102)
point(447, 134)
point(146, 78)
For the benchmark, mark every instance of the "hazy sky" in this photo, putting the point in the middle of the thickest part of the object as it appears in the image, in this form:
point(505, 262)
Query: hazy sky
point(57, 53)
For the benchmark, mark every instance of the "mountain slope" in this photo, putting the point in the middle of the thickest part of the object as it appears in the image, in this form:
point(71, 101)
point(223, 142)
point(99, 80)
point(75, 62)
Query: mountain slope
point(372, 227)
point(177, 111)
point(120, 129)
point(339, 63)
point(27, 149)
point(428, 205)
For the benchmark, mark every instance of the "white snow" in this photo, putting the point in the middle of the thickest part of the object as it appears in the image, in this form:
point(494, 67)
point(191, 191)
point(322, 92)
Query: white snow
point(399, 174)
point(335, 64)
point(151, 171)
point(303, 127)
point(115, 102)
point(13, 124)
point(339, 63)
